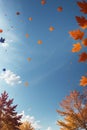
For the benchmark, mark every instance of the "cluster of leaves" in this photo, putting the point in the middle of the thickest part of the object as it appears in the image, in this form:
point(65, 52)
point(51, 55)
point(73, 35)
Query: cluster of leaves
point(79, 34)
point(9, 118)
point(74, 111)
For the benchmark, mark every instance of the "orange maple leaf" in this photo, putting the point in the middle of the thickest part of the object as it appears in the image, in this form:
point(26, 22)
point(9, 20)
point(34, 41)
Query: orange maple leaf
point(84, 42)
point(83, 6)
point(76, 34)
point(82, 22)
point(83, 81)
point(76, 47)
point(83, 57)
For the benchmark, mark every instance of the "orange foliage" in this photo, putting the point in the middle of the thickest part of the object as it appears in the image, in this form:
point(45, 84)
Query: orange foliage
point(84, 42)
point(83, 57)
point(74, 110)
point(83, 6)
point(59, 9)
point(51, 28)
point(76, 34)
point(76, 47)
point(83, 81)
point(82, 22)
point(26, 126)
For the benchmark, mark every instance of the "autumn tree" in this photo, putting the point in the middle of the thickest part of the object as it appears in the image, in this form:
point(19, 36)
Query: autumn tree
point(9, 119)
point(26, 126)
point(74, 111)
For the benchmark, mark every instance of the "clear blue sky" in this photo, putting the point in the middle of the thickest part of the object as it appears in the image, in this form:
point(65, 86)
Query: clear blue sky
point(49, 73)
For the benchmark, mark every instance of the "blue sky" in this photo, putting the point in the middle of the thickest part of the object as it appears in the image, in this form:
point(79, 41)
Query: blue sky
point(49, 73)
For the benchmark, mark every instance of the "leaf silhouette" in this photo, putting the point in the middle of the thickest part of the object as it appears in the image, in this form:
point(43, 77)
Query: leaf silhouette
point(84, 42)
point(76, 34)
point(82, 22)
point(83, 6)
point(76, 47)
point(83, 57)
point(83, 81)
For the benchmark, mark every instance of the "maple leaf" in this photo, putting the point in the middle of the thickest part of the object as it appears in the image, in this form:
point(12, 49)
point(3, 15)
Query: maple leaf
point(82, 22)
point(83, 6)
point(83, 57)
point(83, 81)
point(76, 34)
point(84, 42)
point(76, 47)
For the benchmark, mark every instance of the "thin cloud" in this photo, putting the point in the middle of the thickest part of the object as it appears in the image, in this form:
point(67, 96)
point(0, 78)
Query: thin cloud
point(10, 78)
point(49, 128)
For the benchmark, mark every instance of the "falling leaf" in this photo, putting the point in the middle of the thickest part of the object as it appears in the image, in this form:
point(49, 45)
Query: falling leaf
point(39, 41)
point(29, 59)
point(83, 57)
point(43, 2)
point(2, 40)
point(76, 34)
point(76, 47)
point(4, 69)
point(59, 9)
point(17, 13)
point(84, 42)
point(1, 30)
point(30, 19)
point(27, 35)
point(82, 22)
point(83, 81)
point(83, 6)
point(26, 84)
point(51, 28)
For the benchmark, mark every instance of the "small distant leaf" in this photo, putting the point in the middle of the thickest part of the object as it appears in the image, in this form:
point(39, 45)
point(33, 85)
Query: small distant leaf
point(83, 57)
point(30, 18)
point(82, 22)
point(43, 2)
point(76, 34)
point(29, 59)
point(17, 13)
point(39, 41)
point(1, 30)
point(83, 81)
point(27, 35)
point(76, 47)
point(51, 28)
point(26, 84)
point(59, 9)
point(84, 42)
point(83, 6)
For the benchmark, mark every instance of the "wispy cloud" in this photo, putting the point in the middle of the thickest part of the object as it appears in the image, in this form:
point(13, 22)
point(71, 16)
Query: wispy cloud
point(49, 128)
point(31, 119)
point(10, 78)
